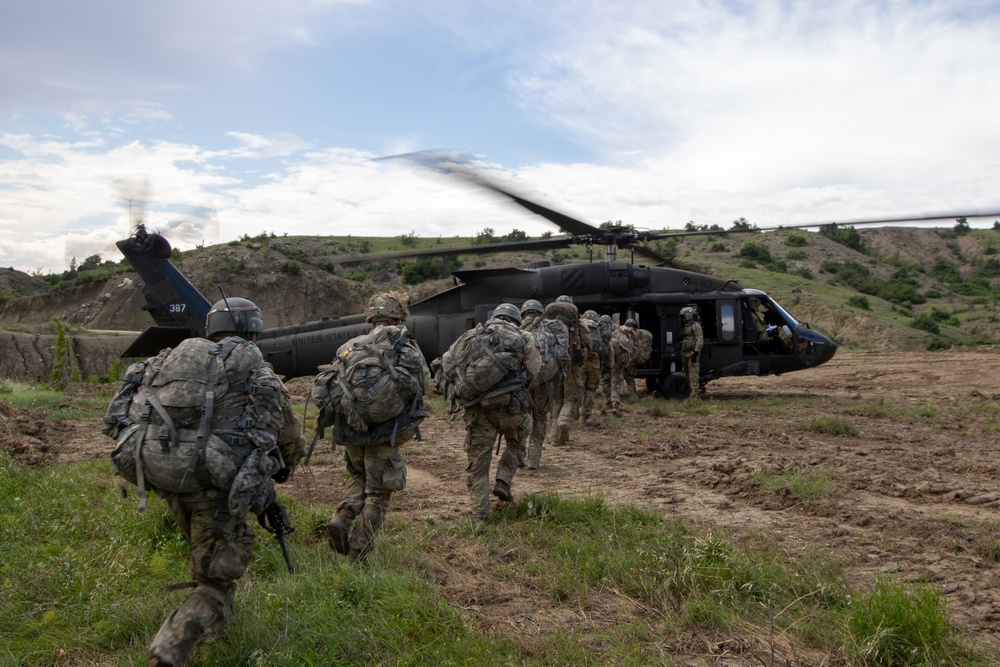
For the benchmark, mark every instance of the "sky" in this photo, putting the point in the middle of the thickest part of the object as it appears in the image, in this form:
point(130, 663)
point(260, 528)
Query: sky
point(211, 120)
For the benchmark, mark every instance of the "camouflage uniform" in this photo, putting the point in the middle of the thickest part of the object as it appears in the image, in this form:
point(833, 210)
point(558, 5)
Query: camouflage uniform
point(692, 341)
point(542, 396)
point(592, 365)
point(766, 333)
point(377, 469)
point(623, 348)
point(642, 348)
point(608, 360)
point(221, 541)
point(507, 415)
point(567, 402)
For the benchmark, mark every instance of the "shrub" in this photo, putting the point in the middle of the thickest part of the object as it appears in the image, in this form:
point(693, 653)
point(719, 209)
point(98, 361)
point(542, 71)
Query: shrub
point(797, 254)
point(718, 246)
point(925, 322)
point(859, 301)
point(845, 236)
point(796, 241)
point(291, 267)
point(804, 271)
point(755, 251)
point(936, 345)
point(418, 271)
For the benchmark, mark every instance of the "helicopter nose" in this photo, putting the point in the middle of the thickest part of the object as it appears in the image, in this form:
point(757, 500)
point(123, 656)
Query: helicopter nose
point(816, 349)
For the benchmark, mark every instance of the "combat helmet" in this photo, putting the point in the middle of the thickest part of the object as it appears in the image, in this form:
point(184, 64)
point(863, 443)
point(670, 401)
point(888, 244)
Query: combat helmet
point(605, 319)
point(687, 312)
point(508, 310)
point(565, 298)
point(532, 306)
point(590, 315)
point(237, 315)
point(630, 322)
point(387, 306)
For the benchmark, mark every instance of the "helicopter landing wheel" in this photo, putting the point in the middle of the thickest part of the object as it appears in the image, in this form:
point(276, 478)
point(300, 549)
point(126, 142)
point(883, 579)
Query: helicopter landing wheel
point(676, 386)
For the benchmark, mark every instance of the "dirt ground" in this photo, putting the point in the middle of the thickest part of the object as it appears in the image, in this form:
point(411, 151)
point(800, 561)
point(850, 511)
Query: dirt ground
point(915, 489)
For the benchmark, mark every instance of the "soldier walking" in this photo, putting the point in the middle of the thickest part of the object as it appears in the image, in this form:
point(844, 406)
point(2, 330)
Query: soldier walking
point(209, 427)
point(372, 455)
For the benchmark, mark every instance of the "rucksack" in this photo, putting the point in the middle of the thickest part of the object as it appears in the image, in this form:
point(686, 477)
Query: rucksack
point(607, 329)
point(372, 392)
point(552, 339)
point(484, 362)
point(643, 346)
point(623, 346)
point(568, 313)
point(200, 416)
point(600, 347)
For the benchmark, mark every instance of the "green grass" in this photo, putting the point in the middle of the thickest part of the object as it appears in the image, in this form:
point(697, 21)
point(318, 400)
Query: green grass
point(897, 625)
point(82, 575)
point(812, 484)
point(58, 404)
point(831, 426)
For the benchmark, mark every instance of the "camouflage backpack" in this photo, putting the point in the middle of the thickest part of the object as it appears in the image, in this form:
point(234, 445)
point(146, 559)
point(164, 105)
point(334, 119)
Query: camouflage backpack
point(600, 347)
point(643, 346)
point(484, 362)
point(199, 419)
point(372, 393)
point(623, 346)
point(552, 338)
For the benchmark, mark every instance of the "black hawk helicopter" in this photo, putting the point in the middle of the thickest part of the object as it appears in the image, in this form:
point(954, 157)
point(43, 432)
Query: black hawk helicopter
point(653, 295)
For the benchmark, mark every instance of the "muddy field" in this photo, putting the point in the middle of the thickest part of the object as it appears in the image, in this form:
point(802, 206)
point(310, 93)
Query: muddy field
point(909, 442)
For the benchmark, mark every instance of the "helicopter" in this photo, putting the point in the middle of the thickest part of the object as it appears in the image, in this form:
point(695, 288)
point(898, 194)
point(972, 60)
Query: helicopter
point(653, 295)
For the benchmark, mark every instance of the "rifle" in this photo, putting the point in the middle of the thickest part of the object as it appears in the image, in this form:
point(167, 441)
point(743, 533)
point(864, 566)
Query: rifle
point(274, 519)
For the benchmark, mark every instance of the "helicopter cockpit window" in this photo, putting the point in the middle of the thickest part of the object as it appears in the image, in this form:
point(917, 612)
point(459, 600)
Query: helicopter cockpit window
point(788, 319)
point(727, 322)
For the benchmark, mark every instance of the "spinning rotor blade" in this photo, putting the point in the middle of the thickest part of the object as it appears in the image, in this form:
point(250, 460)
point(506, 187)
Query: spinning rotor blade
point(451, 165)
point(479, 249)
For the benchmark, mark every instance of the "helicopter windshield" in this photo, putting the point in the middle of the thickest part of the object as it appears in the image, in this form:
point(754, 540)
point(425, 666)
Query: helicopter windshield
point(791, 321)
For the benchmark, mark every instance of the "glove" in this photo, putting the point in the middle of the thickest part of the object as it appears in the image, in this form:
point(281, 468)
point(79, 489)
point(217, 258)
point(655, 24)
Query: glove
point(694, 357)
point(282, 475)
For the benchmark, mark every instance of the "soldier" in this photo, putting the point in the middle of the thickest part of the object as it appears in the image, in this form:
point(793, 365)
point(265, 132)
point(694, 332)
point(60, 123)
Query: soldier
point(767, 332)
point(552, 338)
point(692, 341)
point(608, 361)
point(245, 436)
point(567, 403)
point(372, 457)
point(635, 359)
point(623, 347)
point(592, 365)
point(503, 409)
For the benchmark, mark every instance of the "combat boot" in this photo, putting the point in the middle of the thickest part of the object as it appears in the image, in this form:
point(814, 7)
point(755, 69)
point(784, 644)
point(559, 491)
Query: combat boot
point(502, 491)
point(563, 438)
point(339, 530)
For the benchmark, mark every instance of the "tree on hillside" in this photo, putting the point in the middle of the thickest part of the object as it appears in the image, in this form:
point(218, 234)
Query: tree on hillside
point(743, 225)
point(961, 227)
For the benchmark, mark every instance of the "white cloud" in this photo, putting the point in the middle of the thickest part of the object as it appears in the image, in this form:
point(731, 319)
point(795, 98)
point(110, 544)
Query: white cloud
point(703, 110)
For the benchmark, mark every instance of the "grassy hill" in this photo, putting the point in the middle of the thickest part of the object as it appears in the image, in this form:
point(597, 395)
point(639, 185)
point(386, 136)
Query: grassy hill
point(904, 288)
